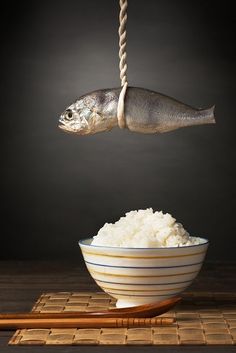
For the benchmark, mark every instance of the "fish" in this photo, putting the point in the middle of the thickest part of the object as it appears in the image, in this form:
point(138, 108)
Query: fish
point(145, 111)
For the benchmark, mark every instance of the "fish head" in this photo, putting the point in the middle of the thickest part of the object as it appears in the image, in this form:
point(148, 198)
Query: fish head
point(91, 113)
point(79, 117)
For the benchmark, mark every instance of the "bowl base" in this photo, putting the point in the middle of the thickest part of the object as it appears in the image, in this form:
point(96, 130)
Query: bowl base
point(122, 303)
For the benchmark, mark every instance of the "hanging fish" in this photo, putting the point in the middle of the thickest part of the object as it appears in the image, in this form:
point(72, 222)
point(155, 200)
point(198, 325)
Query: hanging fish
point(145, 112)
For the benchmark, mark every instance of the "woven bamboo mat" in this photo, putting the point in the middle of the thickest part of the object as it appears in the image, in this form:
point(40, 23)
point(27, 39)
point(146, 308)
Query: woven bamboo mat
point(201, 319)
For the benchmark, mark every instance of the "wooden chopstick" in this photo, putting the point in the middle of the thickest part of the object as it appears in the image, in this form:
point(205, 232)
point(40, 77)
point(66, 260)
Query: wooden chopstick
point(66, 315)
point(74, 315)
point(9, 324)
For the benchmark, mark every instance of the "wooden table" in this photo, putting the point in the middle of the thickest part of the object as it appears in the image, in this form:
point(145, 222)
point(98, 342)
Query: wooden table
point(22, 282)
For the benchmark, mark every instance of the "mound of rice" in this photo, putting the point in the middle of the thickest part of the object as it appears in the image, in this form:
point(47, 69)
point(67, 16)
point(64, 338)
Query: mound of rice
point(145, 229)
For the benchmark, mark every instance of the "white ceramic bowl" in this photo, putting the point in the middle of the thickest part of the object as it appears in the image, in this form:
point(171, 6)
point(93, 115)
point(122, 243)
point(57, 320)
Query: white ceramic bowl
point(136, 276)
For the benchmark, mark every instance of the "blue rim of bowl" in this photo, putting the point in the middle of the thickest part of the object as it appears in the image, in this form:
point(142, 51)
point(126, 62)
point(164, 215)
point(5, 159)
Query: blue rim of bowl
point(81, 242)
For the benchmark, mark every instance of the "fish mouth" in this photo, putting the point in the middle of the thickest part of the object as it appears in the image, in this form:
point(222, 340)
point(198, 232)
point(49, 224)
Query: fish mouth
point(66, 128)
point(77, 127)
point(72, 130)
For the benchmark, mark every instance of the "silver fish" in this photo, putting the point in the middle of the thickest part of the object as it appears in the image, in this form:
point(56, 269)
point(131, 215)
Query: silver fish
point(145, 112)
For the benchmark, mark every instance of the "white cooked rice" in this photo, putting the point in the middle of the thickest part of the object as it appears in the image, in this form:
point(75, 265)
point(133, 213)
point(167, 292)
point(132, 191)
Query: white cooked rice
point(145, 229)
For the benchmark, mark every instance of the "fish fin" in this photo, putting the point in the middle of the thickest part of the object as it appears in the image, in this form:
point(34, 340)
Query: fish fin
point(209, 115)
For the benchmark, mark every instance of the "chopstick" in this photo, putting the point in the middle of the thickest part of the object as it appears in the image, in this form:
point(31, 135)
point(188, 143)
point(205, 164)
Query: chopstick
point(9, 324)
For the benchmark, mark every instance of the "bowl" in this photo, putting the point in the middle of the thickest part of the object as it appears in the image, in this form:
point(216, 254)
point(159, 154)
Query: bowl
point(136, 276)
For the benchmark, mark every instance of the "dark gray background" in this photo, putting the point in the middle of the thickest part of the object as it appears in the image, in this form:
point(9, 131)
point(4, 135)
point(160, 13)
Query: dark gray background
point(58, 188)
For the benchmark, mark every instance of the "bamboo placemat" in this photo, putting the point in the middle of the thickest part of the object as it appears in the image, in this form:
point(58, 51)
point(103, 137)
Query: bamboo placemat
point(202, 318)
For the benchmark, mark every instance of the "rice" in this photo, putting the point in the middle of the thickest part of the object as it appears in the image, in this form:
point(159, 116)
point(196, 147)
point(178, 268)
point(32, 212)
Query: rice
point(145, 229)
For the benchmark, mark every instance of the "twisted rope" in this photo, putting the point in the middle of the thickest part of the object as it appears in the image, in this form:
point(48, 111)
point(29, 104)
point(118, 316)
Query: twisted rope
point(123, 64)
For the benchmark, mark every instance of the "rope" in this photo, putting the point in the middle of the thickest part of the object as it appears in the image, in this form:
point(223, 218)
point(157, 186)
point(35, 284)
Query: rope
point(123, 64)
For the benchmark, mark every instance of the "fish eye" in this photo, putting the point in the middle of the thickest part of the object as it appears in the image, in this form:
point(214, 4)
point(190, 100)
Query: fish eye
point(69, 115)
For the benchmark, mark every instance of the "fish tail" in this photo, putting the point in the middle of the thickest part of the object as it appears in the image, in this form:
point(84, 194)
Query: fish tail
point(208, 115)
